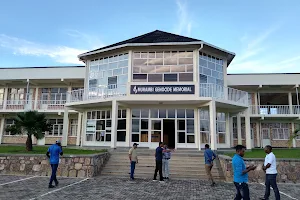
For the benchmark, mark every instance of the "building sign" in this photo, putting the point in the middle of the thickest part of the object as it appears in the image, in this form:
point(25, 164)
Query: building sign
point(162, 89)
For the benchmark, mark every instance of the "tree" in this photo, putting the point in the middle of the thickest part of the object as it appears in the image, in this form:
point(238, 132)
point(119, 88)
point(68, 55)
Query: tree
point(31, 123)
point(293, 137)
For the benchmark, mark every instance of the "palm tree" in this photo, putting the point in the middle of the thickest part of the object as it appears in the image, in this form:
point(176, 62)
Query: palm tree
point(32, 123)
point(293, 137)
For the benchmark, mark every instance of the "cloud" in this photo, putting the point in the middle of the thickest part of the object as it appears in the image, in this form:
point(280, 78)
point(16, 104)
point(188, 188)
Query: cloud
point(58, 53)
point(184, 25)
point(257, 56)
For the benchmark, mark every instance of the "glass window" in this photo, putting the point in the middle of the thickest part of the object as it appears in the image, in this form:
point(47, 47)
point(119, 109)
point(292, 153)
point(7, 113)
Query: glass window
point(185, 77)
point(190, 126)
point(156, 125)
point(136, 125)
point(171, 113)
point(135, 137)
point(170, 77)
point(140, 77)
point(144, 113)
point(121, 136)
point(155, 78)
point(155, 136)
point(121, 124)
point(144, 136)
point(154, 113)
point(144, 124)
point(162, 113)
point(181, 137)
point(136, 113)
point(180, 113)
point(190, 139)
point(181, 125)
point(189, 113)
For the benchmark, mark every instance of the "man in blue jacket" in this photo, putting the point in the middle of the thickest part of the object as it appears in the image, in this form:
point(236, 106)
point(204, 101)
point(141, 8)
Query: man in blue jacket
point(53, 153)
point(240, 174)
point(209, 157)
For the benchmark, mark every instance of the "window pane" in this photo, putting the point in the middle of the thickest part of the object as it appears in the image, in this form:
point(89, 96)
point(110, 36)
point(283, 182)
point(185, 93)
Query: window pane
point(139, 77)
point(121, 124)
point(108, 137)
point(180, 113)
point(181, 125)
point(170, 61)
point(108, 114)
point(162, 69)
point(108, 123)
point(190, 126)
point(147, 69)
point(144, 136)
point(162, 113)
point(154, 113)
point(144, 124)
point(136, 113)
point(156, 125)
point(178, 68)
point(190, 139)
point(144, 113)
point(185, 61)
point(189, 113)
point(135, 137)
point(170, 77)
point(155, 78)
point(135, 125)
point(185, 76)
point(155, 136)
point(171, 113)
point(121, 136)
point(181, 137)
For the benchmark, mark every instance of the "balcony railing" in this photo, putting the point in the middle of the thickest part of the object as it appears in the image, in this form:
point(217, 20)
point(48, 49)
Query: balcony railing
point(223, 93)
point(274, 109)
point(33, 105)
point(98, 93)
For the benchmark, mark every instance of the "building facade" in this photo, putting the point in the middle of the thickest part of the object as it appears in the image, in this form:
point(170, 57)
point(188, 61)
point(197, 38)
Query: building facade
point(154, 87)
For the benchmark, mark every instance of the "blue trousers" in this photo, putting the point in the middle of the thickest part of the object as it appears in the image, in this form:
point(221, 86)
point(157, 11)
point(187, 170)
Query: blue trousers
point(242, 191)
point(132, 168)
point(271, 181)
point(53, 175)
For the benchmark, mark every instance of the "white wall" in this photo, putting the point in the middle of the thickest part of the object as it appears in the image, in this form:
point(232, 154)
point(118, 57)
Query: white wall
point(42, 73)
point(262, 79)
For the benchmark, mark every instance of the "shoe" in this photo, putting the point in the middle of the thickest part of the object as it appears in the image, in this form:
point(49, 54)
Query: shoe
point(213, 184)
point(51, 186)
point(132, 179)
point(161, 182)
point(154, 180)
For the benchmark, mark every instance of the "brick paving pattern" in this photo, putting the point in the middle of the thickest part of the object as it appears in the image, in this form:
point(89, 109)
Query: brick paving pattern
point(110, 188)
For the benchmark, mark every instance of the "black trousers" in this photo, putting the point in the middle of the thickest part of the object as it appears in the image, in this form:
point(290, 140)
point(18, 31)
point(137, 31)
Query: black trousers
point(271, 181)
point(158, 167)
point(242, 191)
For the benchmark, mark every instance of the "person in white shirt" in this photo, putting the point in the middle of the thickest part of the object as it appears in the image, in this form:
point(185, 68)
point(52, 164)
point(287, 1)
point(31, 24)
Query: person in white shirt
point(271, 173)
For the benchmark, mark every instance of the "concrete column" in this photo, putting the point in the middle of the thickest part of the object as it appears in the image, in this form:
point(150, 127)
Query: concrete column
point(213, 125)
point(114, 123)
point(256, 102)
point(197, 128)
point(83, 128)
point(290, 103)
point(5, 97)
point(69, 94)
point(231, 131)
point(128, 127)
point(2, 120)
point(36, 98)
point(248, 129)
point(293, 129)
point(257, 134)
point(239, 128)
point(64, 141)
point(79, 129)
point(228, 132)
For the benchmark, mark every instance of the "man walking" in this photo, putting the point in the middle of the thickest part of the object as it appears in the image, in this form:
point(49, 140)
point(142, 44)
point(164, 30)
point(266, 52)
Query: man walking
point(165, 162)
point(133, 160)
point(209, 156)
point(240, 174)
point(158, 160)
point(271, 173)
point(53, 153)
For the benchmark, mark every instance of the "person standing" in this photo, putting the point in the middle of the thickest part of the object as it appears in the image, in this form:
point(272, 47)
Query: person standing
point(133, 160)
point(209, 156)
point(271, 173)
point(240, 174)
point(165, 162)
point(53, 154)
point(158, 162)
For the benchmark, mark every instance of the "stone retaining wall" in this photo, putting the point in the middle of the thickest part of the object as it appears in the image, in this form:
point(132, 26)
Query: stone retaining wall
point(288, 169)
point(38, 165)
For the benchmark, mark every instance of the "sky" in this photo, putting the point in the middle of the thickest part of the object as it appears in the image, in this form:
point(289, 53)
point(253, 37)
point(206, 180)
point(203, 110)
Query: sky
point(264, 34)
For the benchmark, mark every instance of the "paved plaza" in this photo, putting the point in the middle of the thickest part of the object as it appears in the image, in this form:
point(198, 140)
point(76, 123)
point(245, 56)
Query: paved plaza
point(108, 188)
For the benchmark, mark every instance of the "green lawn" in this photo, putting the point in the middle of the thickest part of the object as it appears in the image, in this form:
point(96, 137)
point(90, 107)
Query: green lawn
point(43, 150)
point(279, 153)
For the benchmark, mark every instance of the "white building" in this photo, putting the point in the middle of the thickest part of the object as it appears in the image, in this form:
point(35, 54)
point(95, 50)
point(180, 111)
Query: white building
point(154, 87)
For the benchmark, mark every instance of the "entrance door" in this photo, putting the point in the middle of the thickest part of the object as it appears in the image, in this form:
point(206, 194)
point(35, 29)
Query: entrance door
point(169, 132)
point(265, 132)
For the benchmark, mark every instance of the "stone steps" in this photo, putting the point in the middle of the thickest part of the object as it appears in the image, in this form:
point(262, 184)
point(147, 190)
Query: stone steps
point(183, 164)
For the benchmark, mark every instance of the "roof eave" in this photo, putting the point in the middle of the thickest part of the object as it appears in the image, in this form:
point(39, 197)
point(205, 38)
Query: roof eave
point(230, 55)
point(137, 45)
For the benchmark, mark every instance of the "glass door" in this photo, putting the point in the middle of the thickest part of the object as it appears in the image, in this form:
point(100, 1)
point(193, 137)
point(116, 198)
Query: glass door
point(155, 132)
